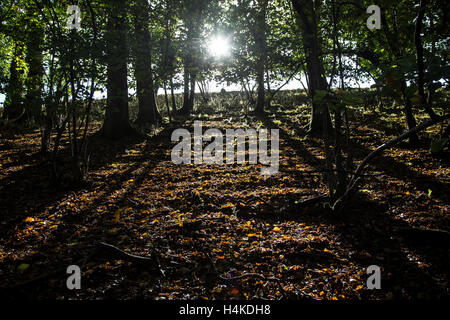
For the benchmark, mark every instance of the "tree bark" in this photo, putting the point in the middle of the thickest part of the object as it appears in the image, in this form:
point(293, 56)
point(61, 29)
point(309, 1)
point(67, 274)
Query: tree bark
point(307, 16)
point(420, 62)
point(260, 43)
point(166, 96)
point(186, 93)
point(193, 77)
point(411, 122)
point(193, 11)
point(396, 50)
point(148, 112)
point(116, 124)
point(172, 93)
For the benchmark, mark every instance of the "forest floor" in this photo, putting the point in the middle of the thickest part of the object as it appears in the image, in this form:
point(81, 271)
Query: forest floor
point(224, 232)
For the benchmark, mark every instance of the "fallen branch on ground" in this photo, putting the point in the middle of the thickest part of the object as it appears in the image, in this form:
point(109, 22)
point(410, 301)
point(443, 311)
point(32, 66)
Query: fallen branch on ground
point(356, 177)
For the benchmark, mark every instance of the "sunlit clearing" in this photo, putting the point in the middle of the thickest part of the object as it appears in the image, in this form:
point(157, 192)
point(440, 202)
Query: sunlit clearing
point(219, 47)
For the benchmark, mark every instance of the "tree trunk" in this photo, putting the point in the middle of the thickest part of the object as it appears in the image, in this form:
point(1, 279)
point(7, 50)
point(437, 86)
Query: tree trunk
point(192, 91)
point(411, 122)
point(186, 95)
point(148, 112)
point(166, 96)
point(193, 11)
point(397, 52)
point(189, 85)
point(307, 16)
point(172, 93)
point(420, 62)
point(260, 101)
point(260, 42)
point(116, 124)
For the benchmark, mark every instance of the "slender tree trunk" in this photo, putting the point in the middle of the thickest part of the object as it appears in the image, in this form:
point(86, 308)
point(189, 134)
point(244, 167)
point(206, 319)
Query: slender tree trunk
point(193, 11)
point(116, 124)
point(397, 53)
point(420, 61)
point(307, 17)
point(187, 70)
point(76, 168)
point(172, 93)
point(189, 86)
point(411, 122)
point(166, 96)
point(260, 41)
point(168, 59)
point(193, 77)
point(186, 91)
point(338, 45)
point(260, 101)
point(148, 112)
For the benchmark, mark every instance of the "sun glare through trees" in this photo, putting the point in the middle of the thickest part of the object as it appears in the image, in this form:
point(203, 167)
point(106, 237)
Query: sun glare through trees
point(219, 47)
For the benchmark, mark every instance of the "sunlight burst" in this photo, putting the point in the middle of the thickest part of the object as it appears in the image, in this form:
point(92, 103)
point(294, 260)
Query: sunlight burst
point(219, 47)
